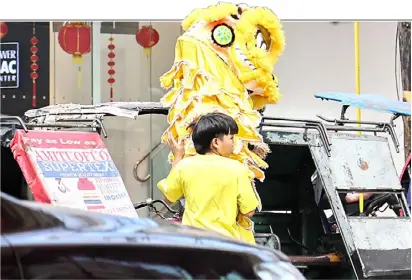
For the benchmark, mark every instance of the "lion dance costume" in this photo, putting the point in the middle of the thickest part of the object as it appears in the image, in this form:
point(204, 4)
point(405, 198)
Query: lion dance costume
point(223, 63)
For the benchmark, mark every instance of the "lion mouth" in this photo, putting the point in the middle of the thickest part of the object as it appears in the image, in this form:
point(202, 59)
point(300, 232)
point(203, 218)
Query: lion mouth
point(253, 89)
point(242, 56)
point(260, 43)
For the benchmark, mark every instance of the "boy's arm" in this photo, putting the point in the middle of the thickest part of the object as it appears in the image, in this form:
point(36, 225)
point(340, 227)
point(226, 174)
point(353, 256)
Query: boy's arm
point(246, 197)
point(171, 187)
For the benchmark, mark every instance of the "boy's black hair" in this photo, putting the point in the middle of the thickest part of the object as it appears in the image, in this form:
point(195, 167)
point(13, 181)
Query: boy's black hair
point(211, 126)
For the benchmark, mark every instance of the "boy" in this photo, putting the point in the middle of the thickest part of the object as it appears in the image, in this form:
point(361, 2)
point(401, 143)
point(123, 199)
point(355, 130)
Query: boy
point(216, 188)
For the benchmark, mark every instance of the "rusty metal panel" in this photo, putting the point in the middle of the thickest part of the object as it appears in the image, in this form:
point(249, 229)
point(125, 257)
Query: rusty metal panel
point(342, 171)
point(376, 246)
point(383, 245)
point(323, 162)
point(360, 162)
point(381, 233)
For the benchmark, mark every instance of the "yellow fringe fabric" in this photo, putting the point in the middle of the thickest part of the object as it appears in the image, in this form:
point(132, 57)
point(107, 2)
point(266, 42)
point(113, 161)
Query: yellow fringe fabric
point(236, 79)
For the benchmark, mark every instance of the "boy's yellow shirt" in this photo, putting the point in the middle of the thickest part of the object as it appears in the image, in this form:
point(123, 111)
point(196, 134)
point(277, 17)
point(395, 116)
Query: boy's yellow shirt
point(215, 189)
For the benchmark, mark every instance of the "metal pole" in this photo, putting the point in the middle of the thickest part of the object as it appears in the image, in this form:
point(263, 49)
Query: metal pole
point(96, 89)
point(357, 84)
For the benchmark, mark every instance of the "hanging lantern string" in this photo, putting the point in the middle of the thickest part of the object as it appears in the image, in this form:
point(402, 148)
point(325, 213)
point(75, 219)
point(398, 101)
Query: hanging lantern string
point(34, 66)
point(80, 59)
point(111, 55)
point(148, 51)
point(79, 77)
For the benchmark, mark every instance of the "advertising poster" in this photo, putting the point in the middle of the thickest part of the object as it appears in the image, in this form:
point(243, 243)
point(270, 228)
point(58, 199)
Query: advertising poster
point(9, 65)
point(71, 169)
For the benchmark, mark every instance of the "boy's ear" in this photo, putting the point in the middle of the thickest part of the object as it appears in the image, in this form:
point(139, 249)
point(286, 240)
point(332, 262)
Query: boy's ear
point(215, 142)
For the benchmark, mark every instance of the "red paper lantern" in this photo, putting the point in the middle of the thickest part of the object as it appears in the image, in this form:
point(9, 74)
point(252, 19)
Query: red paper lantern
point(3, 29)
point(75, 39)
point(147, 37)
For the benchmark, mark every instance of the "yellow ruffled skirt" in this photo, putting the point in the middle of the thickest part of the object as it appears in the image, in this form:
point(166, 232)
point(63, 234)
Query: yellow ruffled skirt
point(201, 83)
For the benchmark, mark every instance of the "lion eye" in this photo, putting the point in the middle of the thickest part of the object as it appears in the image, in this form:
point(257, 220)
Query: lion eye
point(260, 41)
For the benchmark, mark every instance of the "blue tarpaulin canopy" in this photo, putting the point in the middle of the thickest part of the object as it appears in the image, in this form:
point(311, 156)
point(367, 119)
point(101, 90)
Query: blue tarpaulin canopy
point(369, 101)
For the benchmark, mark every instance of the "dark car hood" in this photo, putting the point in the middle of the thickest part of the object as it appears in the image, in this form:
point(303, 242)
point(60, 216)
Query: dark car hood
point(53, 225)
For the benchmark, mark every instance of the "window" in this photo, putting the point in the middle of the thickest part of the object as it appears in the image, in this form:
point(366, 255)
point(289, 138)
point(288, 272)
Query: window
point(135, 262)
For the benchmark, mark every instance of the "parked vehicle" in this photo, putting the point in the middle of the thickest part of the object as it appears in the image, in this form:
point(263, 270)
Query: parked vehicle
point(40, 241)
point(313, 165)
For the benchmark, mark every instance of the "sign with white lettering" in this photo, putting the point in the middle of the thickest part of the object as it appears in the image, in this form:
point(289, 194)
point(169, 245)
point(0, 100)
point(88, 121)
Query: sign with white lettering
point(9, 65)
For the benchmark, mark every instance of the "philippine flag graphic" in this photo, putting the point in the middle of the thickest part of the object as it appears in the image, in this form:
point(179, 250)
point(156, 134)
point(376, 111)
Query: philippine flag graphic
point(90, 197)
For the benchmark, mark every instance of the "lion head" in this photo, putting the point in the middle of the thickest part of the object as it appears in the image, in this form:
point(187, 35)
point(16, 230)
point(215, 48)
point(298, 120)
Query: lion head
point(248, 39)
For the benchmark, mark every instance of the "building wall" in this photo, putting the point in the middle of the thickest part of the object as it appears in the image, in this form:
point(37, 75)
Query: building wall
point(319, 57)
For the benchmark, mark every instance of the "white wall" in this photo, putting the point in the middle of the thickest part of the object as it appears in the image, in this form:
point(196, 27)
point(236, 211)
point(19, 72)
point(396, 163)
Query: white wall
point(319, 57)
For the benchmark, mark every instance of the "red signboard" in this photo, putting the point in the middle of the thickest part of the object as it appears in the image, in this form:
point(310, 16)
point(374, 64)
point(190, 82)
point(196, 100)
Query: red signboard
point(71, 169)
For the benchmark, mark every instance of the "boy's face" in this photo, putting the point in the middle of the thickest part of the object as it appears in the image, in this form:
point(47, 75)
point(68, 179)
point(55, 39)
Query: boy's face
point(224, 145)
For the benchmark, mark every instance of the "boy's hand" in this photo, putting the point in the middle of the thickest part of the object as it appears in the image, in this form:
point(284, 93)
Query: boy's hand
point(178, 149)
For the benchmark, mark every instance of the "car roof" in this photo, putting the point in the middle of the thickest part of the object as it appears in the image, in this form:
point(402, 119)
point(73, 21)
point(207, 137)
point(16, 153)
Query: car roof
point(54, 226)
